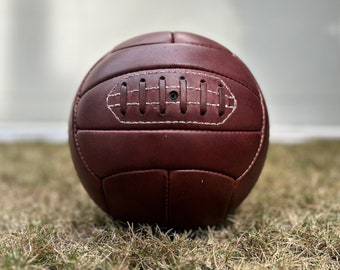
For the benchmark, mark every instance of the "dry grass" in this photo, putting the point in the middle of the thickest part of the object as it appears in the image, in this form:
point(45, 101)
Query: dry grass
point(290, 220)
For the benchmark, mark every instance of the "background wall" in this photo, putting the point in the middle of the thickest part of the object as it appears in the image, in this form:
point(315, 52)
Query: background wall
point(292, 47)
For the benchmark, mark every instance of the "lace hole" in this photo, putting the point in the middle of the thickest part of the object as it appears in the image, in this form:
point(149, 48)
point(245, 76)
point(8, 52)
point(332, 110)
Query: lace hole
point(173, 95)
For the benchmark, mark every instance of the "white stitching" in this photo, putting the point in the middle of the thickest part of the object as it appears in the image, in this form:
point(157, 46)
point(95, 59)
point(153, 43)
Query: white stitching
point(115, 105)
point(167, 87)
point(171, 122)
point(76, 141)
point(232, 97)
point(262, 136)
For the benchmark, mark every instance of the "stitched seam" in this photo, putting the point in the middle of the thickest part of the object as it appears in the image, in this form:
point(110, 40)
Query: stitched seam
point(75, 128)
point(205, 46)
point(76, 138)
point(198, 72)
point(227, 208)
point(262, 136)
point(162, 169)
point(75, 111)
point(168, 103)
point(169, 130)
point(167, 87)
point(167, 200)
point(80, 90)
point(230, 96)
point(254, 91)
point(177, 43)
point(236, 183)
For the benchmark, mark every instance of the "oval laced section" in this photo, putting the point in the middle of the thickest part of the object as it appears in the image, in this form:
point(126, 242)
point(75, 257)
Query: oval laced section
point(123, 98)
point(183, 92)
point(162, 98)
point(142, 96)
point(203, 97)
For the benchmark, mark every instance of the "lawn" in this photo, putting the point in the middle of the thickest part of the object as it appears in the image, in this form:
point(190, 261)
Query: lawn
point(290, 220)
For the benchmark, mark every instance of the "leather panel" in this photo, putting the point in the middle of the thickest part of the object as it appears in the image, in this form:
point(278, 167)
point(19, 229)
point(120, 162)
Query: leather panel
point(198, 198)
point(188, 38)
point(89, 180)
point(229, 153)
point(248, 179)
point(169, 37)
point(139, 196)
point(170, 55)
point(146, 39)
point(100, 108)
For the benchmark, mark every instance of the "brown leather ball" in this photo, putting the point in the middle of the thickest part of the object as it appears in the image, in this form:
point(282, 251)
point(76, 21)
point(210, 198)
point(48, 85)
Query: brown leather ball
point(169, 128)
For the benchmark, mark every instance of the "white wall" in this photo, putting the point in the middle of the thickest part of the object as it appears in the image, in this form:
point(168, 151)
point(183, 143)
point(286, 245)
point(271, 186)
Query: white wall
point(292, 47)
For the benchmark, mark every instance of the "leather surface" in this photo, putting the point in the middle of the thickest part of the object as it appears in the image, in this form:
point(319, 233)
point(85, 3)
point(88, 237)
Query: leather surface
point(198, 198)
point(239, 101)
point(169, 128)
point(125, 194)
point(170, 200)
point(170, 55)
point(110, 152)
point(169, 37)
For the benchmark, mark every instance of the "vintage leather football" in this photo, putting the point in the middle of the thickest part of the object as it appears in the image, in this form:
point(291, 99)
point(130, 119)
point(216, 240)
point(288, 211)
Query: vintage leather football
point(169, 128)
